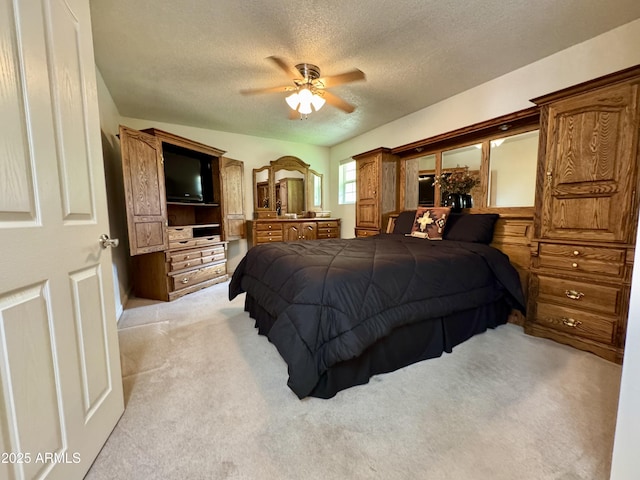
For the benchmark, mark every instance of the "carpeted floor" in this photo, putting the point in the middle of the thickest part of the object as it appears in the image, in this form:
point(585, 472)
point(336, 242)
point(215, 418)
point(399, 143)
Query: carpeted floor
point(206, 398)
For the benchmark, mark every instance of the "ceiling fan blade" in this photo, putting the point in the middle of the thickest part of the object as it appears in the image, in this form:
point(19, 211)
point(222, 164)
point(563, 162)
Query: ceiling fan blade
point(294, 115)
point(347, 77)
point(290, 70)
point(279, 89)
point(338, 102)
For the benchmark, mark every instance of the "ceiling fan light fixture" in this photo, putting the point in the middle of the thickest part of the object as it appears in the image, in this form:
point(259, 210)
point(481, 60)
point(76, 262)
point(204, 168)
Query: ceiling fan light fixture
point(305, 108)
point(293, 100)
point(317, 101)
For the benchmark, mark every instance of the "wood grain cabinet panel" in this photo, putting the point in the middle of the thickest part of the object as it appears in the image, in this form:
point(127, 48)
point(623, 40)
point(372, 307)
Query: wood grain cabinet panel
point(374, 203)
point(586, 211)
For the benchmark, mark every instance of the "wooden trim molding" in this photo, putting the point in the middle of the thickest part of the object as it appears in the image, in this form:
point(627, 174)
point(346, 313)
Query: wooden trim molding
point(524, 120)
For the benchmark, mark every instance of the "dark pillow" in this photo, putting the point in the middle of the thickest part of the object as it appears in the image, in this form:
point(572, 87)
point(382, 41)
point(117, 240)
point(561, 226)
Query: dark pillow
point(472, 227)
point(404, 222)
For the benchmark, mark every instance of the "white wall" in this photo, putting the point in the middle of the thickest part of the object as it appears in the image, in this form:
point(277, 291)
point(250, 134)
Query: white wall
point(626, 460)
point(109, 118)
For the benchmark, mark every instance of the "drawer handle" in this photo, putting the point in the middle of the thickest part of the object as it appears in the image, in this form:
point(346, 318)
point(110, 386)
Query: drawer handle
point(218, 270)
point(574, 265)
point(570, 322)
point(188, 264)
point(573, 294)
point(576, 253)
point(185, 280)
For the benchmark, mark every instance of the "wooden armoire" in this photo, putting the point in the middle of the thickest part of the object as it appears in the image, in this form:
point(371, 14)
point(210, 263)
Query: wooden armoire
point(377, 196)
point(178, 247)
point(586, 214)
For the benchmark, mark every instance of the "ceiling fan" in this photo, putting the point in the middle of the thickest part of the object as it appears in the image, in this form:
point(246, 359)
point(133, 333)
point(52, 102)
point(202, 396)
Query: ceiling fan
point(309, 90)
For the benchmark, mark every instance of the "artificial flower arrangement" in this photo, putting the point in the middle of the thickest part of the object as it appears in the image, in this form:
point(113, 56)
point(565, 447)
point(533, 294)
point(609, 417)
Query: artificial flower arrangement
point(458, 181)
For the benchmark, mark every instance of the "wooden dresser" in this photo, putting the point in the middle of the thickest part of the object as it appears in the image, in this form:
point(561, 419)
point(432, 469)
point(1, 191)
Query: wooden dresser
point(586, 214)
point(268, 230)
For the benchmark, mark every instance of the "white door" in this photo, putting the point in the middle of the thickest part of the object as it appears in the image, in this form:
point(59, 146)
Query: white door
point(60, 380)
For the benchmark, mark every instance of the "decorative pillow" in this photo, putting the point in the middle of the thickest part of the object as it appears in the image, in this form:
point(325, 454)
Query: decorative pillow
point(472, 227)
point(404, 222)
point(429, 222)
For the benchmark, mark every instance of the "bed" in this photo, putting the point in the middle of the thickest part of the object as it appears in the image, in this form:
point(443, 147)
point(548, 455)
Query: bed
point(342, 310)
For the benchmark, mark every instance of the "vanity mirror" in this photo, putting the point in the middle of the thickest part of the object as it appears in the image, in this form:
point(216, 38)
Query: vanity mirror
point(287, 186)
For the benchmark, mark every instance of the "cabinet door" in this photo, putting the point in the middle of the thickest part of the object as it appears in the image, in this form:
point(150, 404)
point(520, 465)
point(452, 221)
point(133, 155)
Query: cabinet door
point(309, 231)
point(367, 181)
point(143, 178)
point(291, 232)
point(589, 176)
point(232, 173)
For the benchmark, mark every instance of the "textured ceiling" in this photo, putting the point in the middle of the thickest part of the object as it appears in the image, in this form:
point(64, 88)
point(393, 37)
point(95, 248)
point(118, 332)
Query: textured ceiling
point(185, 62)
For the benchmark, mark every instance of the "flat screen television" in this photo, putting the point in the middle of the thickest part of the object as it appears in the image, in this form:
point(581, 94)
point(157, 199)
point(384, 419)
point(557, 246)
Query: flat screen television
point(187, 177)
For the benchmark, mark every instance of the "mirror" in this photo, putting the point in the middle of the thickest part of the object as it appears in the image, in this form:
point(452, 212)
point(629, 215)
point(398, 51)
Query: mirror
point(287, 186)
point(512, 170)
point(261, 190)
point(460, 159)
point(426, 176)
point(314, 191)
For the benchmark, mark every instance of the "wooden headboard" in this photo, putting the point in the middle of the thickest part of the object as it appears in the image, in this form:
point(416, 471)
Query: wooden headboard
point(512, 235)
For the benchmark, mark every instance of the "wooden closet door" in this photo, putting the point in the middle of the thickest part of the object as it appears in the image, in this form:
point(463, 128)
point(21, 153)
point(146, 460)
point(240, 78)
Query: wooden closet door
point(590, 166)
point(143, 176)
point(368, 184)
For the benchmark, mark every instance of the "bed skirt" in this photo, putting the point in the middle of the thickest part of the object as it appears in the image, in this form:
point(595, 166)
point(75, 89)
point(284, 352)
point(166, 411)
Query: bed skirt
point(405, 345)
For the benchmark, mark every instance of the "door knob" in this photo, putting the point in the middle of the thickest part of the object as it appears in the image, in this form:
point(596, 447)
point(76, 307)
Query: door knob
point(105, 241)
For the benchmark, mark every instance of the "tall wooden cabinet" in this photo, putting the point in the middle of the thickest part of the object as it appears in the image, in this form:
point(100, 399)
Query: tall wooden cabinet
point(374, 204)
point(178, 247)
point(586, 214)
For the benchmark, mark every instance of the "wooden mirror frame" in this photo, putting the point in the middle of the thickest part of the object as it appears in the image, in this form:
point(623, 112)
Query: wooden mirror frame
point(256, 193)
point(292, 163)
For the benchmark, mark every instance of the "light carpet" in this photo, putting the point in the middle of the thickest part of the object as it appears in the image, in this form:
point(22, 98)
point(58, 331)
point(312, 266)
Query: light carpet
point(206, 398)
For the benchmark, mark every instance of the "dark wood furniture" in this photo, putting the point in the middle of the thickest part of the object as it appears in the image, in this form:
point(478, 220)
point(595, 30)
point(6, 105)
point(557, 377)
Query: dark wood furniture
point(268, 230)
point(574, 249)
point(377, 194)
point(586, 211)
point(178, 248)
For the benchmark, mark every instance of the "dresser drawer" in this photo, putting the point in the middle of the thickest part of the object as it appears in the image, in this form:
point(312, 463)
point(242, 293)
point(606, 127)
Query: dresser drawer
point(182, 255)
point(264, 237)
point(328, 224)
point(194, 262)
point(578, 258)
point(576, 322)
point(275, 227)
point(575, 294)
point(327, 233)
point(179, 233)
point(366, 233)
point(191, 277)
point(182, 259)
point(217, 250)
point(178, 244)
point(213, 258)
point(207, 240)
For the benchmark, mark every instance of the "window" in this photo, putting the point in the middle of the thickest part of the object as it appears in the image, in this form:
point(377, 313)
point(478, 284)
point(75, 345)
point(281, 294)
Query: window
point(347, 179)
